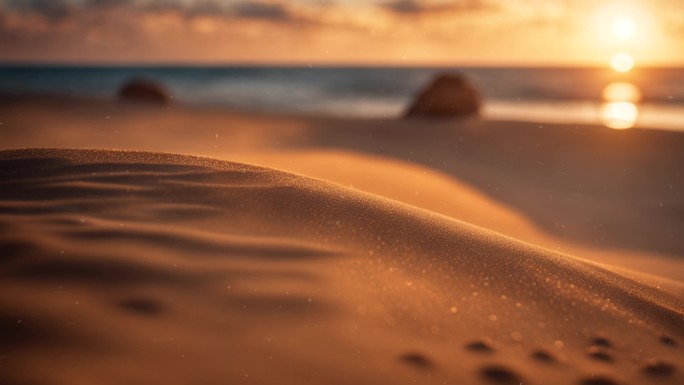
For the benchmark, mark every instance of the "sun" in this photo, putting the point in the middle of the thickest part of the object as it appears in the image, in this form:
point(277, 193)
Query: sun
point(622, 62)
point(624, 28)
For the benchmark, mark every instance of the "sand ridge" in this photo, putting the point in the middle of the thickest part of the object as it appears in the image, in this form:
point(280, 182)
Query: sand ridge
point(611, 192)
point(317, 282)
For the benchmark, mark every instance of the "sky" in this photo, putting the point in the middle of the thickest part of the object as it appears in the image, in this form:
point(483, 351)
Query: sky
point(346, 32)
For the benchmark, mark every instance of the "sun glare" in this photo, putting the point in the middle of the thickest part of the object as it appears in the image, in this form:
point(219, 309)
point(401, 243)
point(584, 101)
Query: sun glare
point(624, 28)
point(622, 62)
point(632, 26)
point(619, 115)
point(621, 92)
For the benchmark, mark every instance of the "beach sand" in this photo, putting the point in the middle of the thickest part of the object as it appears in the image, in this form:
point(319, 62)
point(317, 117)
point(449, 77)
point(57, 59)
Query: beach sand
point(232, 247)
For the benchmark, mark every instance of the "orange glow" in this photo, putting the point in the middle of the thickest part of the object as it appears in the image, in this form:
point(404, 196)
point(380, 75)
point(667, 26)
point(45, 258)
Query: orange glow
point(622, 62)
point(621, 111)
point(432, 32)
point(619, 115)
point(621, 92)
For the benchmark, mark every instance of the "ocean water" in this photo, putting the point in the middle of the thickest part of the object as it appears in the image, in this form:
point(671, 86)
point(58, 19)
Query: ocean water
point(565, 95)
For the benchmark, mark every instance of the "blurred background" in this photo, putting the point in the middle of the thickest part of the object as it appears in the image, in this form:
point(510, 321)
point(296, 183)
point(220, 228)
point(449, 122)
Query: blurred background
point(618, 63)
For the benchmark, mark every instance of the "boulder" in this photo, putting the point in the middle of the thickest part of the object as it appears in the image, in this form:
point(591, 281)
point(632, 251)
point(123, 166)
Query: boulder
point(448, 95)
point(144, 90)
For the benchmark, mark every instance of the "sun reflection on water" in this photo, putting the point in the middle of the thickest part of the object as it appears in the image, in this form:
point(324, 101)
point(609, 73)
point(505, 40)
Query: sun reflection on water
point(619, 110)
point(619, 115)
point(621, 92)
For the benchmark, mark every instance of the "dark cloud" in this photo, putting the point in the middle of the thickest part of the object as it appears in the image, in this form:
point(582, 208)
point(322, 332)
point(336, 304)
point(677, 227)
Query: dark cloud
point(404, 6)
point(250, 10)
point(261, 10)
point(203, 8)
point(107, 3)
point(56, 10)
point(417, 7)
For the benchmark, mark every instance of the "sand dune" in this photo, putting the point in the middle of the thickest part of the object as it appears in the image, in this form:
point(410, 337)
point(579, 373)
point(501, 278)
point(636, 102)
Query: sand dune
point(139, 267)
point(607, 196)
point(439, 192)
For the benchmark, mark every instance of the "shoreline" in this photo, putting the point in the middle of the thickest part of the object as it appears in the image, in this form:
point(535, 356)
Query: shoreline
point(576, 113)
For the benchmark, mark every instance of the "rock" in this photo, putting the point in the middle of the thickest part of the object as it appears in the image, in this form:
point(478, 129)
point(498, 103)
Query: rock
point(143, 90)
point(448, 95)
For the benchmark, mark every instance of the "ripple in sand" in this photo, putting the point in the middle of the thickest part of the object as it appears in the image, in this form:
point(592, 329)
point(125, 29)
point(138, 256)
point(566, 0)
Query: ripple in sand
point(484, 345)
point(22, 330)
point(11, 249)
point(143, 306)
point(500, 375)
point(599, 354)
point(99, 271)
point(658, 368)
point(416, 359)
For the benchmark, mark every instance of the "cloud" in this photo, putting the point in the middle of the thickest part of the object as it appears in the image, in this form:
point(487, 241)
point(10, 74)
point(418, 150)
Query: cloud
point(58, 10)
point(374, 31)
point(154, 30)
point(417, 7)
point(54, 10)
point(262, 10)
point(404, 6)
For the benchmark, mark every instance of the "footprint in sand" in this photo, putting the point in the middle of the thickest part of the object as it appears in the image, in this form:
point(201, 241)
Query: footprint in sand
point(142, 306)
point(543, 356)
point(484, 345)
point(599, 349)
point(667, 340)
point(598, 380)
point(417, 360)
point(602, 342)
point(657, 368)
point(599, 354)
point(500, 375)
